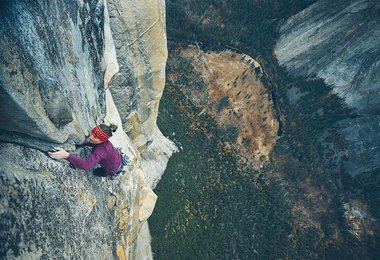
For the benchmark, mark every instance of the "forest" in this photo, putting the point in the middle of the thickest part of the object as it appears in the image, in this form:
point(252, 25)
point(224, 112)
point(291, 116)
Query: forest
point(294, 207)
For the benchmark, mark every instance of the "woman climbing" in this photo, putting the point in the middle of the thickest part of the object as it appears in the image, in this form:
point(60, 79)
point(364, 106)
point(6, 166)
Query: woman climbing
point(103, 152)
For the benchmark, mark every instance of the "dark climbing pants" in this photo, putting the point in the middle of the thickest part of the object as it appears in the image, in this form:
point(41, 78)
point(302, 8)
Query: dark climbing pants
point(100, 172)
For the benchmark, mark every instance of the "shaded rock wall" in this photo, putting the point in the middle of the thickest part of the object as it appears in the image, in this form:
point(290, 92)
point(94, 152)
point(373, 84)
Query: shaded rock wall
point(50, 66)
point(339, 41)
point(363, 142)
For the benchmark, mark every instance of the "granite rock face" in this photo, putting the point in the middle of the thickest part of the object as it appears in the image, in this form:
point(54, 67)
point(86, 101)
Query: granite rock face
point(138, 28)
point(49, 209)
point(51, 72)
point(56, 62)
point(139, 35)
point(363, 141)
point(339, 41)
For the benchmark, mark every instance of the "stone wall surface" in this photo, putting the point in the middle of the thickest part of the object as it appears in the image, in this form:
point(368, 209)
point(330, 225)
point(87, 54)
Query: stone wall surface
point(57, 61)
point(138, 28)
point(339, 41)
point(139, 34)
point(50, 68)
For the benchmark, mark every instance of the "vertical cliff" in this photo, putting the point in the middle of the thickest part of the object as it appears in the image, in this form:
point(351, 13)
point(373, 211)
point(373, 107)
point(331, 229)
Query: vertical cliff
point(138, 30)
point(51, 68)
point(57, 80)
point(339, 42)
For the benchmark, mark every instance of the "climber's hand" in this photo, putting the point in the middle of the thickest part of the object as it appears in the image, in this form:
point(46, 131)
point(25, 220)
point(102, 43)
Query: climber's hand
point(58, 153)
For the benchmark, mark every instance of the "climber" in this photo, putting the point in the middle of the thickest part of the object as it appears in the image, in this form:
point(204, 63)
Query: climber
point(109, 158)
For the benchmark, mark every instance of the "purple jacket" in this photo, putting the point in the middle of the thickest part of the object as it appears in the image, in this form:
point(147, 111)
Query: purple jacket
point(104, 153)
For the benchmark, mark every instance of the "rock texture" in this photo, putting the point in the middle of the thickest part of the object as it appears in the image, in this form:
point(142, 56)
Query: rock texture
point(49, 209)
point(138, 28)
point(340, 42)
point(363, 140)
point(50, 66)
point(56, 62)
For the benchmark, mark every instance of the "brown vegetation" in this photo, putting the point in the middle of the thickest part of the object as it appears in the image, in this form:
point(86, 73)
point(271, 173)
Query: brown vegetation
point(236, 97)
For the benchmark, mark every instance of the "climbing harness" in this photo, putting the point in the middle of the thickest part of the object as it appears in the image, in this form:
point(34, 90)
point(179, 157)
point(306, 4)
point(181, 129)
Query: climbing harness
point(124, 158)
point(124, 162)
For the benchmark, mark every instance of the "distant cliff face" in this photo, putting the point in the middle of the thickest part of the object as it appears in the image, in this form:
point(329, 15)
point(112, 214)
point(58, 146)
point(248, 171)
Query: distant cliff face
point(339, 42)
point(57, 60)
